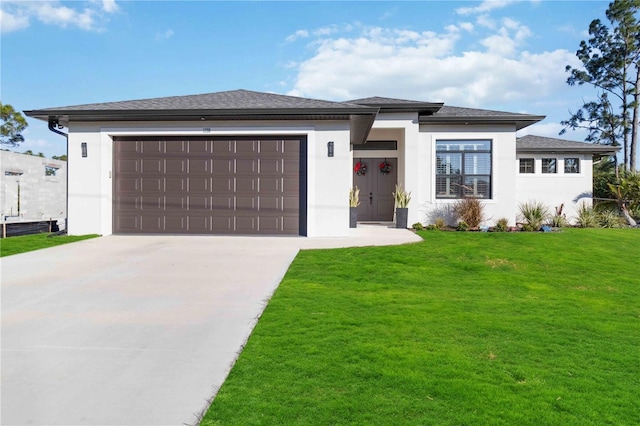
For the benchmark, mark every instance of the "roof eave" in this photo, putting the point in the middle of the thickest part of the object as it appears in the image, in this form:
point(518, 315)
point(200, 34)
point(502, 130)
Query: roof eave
point(519, 121)
point(595, 150)
point(66, 116)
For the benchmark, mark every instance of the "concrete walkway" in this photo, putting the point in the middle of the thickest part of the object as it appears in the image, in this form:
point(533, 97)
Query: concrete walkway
point(138, 330)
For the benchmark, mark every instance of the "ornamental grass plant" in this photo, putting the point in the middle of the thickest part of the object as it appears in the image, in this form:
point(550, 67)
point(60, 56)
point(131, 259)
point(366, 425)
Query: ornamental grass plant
point(535, 214)
point(470, 211)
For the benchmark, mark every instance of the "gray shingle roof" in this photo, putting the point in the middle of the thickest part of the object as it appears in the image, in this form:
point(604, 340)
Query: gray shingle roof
point(229, 100)
point(533, 143)
point(454, 111)
point(377, 100)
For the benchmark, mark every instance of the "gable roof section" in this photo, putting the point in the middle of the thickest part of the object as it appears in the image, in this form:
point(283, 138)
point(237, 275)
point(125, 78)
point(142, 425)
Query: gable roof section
point(231, 105)
point(541, 144)
point(399, 105)
point(457, 115)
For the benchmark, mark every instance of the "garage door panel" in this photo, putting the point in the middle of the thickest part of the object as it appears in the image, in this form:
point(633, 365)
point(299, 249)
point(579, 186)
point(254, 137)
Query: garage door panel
point(205, 185)
point(199, 184)
point(176, 202)
point(222, 185)
point(199, 224)
point(151, 203)
point(269, 224)
point(269, 204)
point(291, 167)
point(246, 224)
point(246, 204)
point(196, 166)
point(221, 203)
point(128, 223)
point(175, 147)
point(196, 147)
point(175, 165)
point(198, 204)
point(151, 147)
point(152, 166)
point(269, 186)
point(151, 223)
point(223, 148)
point(152, 185)
point(223, 166)
point(290, 185)
point(127, 166)
point(222, 224)
point(176, 224)
point(246, 147)
point(128, 185)
point(245, 184)
point(270, 166)
point(175, 184)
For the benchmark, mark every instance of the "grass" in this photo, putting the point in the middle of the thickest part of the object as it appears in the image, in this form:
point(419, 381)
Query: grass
point(461, 329)
point(22, 244)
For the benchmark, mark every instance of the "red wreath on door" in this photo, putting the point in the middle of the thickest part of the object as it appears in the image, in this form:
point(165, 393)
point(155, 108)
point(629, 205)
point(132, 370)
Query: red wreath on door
point(360, 168)
point(385, 167)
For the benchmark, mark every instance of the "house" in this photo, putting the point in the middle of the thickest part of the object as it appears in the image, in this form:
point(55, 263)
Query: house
point(32, 188)
point(244, 162)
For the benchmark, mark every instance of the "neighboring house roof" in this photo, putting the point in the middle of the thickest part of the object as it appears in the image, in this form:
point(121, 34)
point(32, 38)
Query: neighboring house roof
point(457, 115)
point(535, 144)
point(229, 105)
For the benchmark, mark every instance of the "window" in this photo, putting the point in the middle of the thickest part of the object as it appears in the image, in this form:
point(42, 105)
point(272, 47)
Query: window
point(549, 165)
point(463, 168)
point(377, 146)
point(527, 165)
point(50, 170)
point(572, 165)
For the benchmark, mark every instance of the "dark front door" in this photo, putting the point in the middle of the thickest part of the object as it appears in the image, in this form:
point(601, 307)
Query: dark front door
point(376, 189)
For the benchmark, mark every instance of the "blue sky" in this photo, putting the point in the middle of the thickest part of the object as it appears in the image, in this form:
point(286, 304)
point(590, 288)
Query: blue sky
point(502, 55)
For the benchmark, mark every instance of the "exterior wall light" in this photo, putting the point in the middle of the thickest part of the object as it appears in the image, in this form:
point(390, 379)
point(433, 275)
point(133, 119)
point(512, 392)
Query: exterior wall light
point(330, 149)
point(83, 145)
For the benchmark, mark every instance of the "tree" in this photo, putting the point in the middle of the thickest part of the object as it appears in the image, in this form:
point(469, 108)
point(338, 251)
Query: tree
point(13, 124)
point(611, 64)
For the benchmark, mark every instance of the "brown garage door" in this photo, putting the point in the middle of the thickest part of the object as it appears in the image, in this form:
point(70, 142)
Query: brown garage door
point(210, 186)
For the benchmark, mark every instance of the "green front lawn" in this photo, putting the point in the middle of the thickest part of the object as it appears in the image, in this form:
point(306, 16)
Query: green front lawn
point(461, 329)
point(25, 243)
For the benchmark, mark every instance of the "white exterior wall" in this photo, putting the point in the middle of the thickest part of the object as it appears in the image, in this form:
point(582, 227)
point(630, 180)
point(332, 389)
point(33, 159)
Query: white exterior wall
point(552, 190)
point(426, 207)
point(91, 183)
point(41, 197)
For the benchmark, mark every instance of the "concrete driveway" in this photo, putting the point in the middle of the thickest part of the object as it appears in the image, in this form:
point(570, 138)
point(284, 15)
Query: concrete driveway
point(136, 330)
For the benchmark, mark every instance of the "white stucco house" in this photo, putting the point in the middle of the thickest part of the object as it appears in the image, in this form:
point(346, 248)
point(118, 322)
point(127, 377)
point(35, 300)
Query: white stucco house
point(243, 162)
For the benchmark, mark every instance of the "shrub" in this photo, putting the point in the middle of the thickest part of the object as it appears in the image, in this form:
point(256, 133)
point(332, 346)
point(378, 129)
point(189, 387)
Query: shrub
point(417, 226)
point(469, 210)
point(431, 227)
point(502, 225)
point(559, 219)
point(441, 223)
point(462, 226)
point(587, 217)
point(535, 214)
point(609, 219)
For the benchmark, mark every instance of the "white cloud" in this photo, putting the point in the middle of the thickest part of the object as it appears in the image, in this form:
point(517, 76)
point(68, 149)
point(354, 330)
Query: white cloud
point(485, 6)
point(432, 67)
point(165, 35)
point(298, 34)
point(467, 26)
point(10, 22)
point(86, 15)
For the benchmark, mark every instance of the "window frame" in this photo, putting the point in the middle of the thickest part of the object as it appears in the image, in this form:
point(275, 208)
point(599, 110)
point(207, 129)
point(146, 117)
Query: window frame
point(545, 168)
point(533, 166)
point(462, 176)
point(577, 166)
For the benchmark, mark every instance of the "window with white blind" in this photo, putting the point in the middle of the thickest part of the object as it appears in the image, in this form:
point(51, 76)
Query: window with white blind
point(463, 169)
